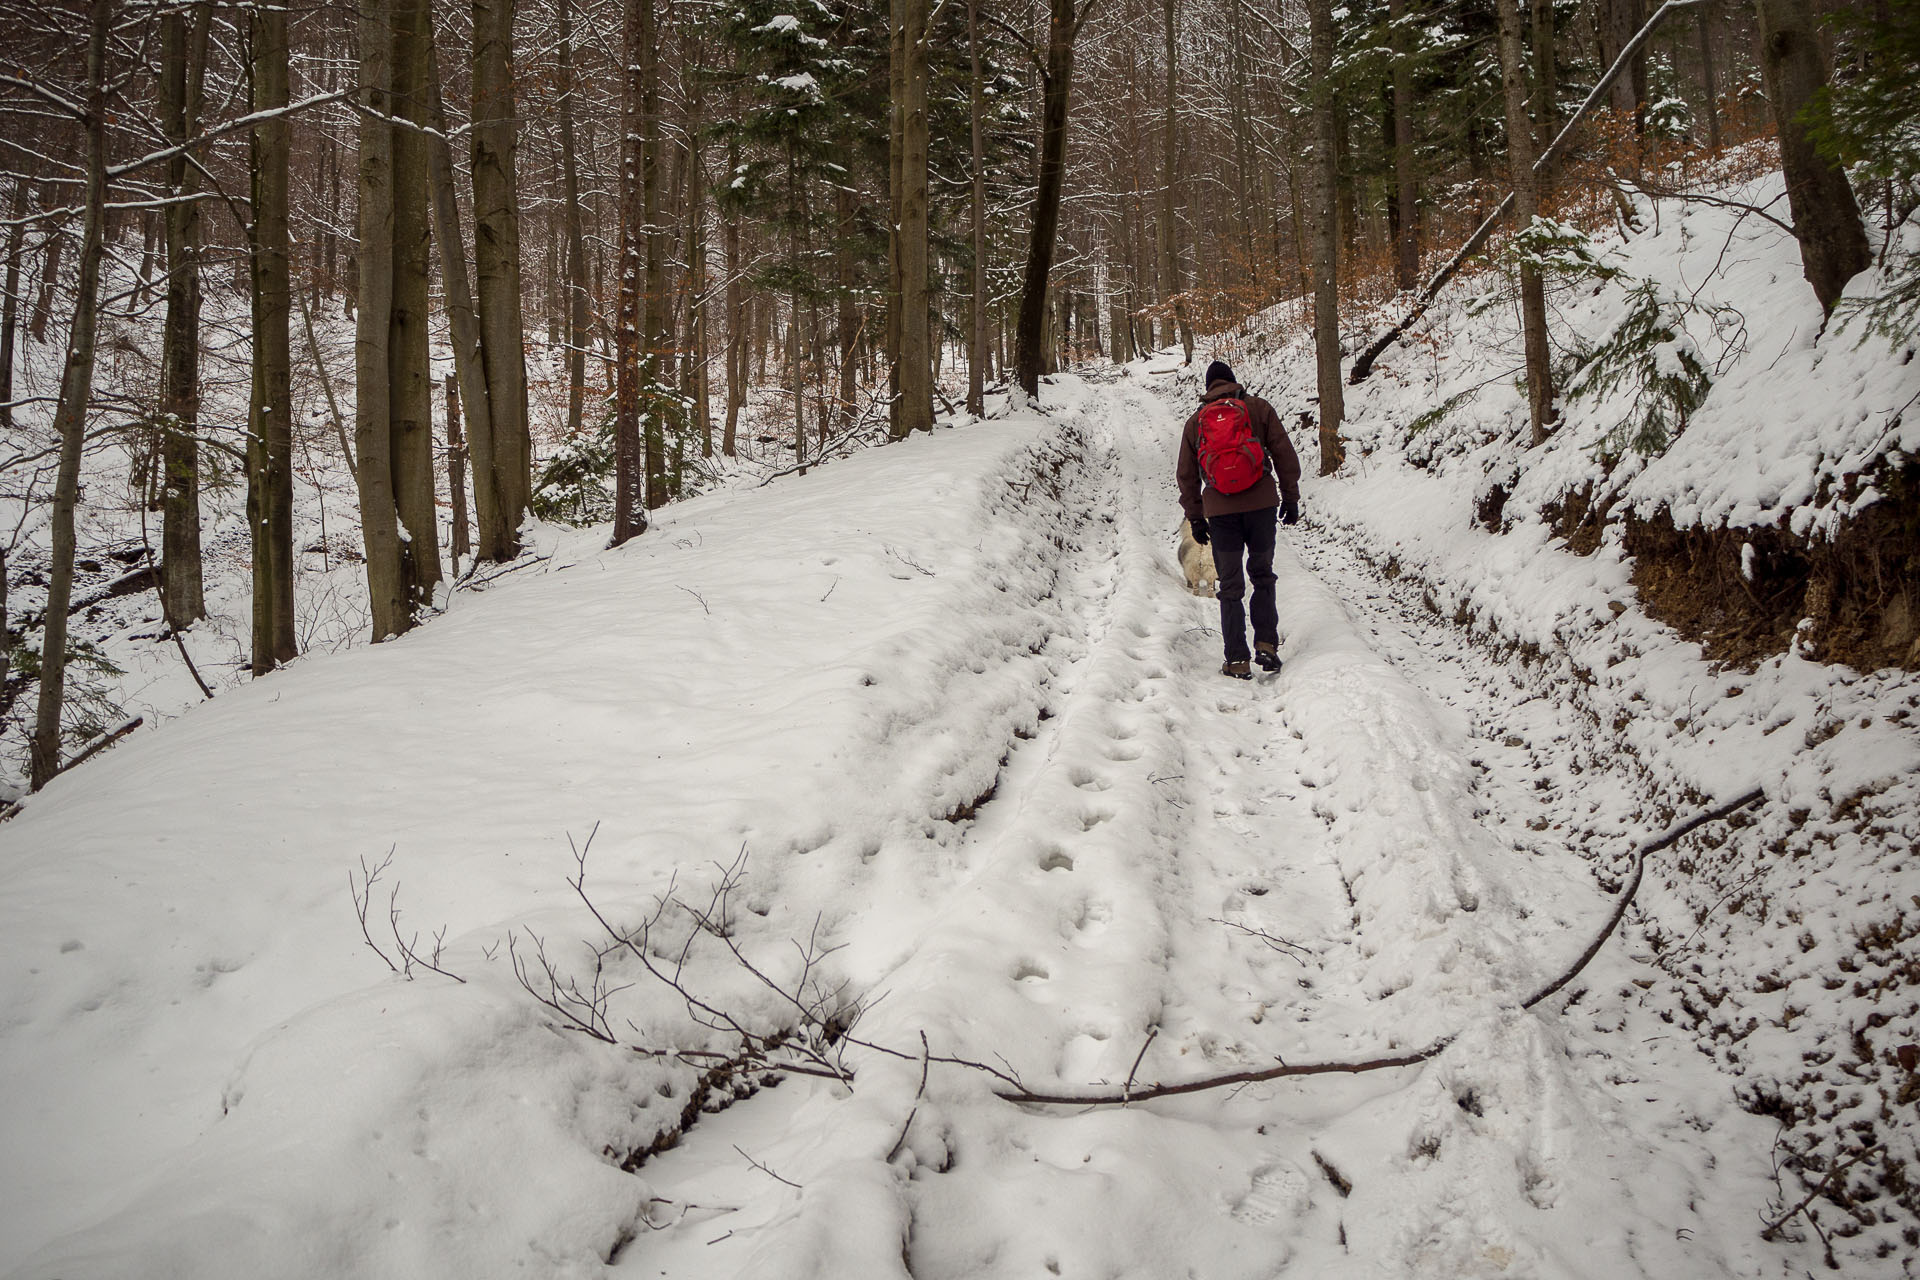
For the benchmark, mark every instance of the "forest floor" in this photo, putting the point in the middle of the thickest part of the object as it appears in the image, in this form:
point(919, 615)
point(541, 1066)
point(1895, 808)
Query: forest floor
point(934, 738)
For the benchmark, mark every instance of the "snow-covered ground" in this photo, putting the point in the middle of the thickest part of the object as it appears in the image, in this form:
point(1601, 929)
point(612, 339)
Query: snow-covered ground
point(953, 704)
point(927, 751)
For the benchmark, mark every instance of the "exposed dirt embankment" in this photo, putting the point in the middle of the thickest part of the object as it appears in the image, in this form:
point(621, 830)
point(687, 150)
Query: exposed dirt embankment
point(1746, 594)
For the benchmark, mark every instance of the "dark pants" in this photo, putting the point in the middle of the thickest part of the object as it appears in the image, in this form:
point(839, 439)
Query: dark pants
point(1248, 536)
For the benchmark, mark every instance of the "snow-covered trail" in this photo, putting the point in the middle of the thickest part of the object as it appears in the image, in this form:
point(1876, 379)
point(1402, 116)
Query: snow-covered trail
point(1172, 876)
point(954, 704)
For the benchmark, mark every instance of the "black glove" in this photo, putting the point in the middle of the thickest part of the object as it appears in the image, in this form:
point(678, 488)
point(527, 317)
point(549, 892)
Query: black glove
point(1289, 510)
point(1199, 531)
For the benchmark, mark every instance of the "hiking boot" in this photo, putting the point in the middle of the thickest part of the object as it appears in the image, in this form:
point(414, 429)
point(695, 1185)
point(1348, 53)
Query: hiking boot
point(1238, 670)
point(1267, 655)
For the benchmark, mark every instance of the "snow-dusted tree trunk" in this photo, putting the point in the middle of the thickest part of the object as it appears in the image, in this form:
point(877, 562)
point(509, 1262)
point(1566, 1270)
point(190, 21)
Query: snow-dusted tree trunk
point(70, 412)
point(570, 217)
point(977, 302)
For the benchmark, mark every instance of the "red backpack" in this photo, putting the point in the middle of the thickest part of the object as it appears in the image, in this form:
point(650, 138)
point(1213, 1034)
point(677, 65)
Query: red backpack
point(1230, 458)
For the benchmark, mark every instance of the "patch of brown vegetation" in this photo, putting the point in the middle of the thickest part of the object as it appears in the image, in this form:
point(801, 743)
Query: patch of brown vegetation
point(1853, 599)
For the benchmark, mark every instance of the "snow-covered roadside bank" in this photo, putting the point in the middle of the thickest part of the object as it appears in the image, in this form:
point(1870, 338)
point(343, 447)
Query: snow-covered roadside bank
point(757, 675)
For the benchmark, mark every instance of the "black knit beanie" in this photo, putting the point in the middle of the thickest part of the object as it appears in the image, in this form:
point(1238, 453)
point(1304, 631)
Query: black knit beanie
point(1218, 372)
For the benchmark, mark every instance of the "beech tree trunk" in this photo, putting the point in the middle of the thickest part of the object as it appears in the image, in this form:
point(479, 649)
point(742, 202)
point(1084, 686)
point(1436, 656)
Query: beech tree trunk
point(1826, 218)
point(270, 425)
point(70, 413)
point(410, 385)
point(1526, 205)
point(183, 61)
point(372, 434)
point(1325, 242)
point(457, 474)
point(503, 479)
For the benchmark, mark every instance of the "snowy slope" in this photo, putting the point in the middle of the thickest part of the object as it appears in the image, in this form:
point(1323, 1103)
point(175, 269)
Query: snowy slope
point(954, 705)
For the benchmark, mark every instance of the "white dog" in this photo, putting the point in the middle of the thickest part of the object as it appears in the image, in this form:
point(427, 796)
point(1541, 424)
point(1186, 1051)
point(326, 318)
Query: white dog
point(1196, 562)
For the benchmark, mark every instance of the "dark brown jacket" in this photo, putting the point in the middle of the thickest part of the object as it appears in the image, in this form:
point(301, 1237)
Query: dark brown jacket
point(1199, 499)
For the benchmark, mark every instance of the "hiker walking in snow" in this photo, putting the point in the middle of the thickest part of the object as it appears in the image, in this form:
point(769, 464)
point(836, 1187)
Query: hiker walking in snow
point(1232, 451)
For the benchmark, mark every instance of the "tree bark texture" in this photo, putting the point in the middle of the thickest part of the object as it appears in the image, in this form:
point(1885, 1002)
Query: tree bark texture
point(977, 299)
point(270, 429)
point(410, 386)
point(183, 61)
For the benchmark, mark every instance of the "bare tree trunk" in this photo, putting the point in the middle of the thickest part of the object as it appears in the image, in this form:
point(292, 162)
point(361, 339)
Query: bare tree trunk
point(501, 497)
point(462, 321)
point(1325, 241)
point(916, 361)
point(270, 429)
point(373, 437)
point(977, 304)
point(183, 64)
point(457, 474)
point(736, 321)
point(632, 362)
point(70, 413)
point(1826, 218)
point(1063, 29)
point(1526, 206)
point(576, 241)
point(410, 385)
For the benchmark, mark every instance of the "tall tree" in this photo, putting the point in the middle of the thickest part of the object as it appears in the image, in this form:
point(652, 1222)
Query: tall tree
point(1171, 289)
point(373, 436)
point(503, 461)
point(183, 59)
point(410, 371)
point(70, 412)
point(1056, 97)
point(270, 421)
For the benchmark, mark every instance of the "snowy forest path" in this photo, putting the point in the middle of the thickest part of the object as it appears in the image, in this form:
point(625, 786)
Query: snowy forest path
point(1171, 875)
